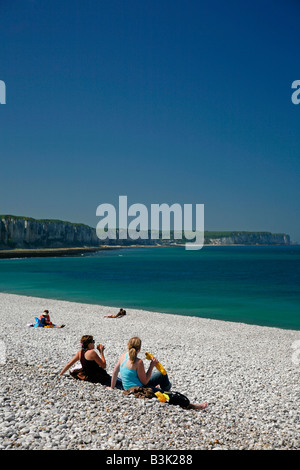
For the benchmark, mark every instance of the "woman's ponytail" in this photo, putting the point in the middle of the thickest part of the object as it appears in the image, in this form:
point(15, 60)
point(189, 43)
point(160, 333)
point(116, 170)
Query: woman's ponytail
point(133, 346)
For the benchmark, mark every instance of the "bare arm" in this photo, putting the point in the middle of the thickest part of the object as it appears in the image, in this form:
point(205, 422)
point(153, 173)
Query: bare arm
point(115, 375)
point(100, 360)
point(142, 374)
point(70, 363)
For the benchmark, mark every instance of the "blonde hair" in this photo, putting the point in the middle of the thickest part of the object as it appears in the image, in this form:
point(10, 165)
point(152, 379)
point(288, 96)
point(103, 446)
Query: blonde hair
point(133, 346)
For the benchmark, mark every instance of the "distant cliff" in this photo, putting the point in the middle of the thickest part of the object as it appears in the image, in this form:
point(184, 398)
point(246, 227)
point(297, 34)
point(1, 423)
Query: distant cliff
point(24, 232)
point(246, 238)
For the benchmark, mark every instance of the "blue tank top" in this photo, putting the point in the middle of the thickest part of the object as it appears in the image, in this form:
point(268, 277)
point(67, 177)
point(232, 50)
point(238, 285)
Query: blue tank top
point(129, 377)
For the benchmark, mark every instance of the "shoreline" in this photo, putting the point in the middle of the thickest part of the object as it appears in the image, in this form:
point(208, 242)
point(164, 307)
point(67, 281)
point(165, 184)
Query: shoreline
point(155, 312)
point(246, 373)
point(51, 252)
point(76, 251)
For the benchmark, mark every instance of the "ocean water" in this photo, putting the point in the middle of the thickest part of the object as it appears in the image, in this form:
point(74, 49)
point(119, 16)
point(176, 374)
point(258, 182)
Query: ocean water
point(255, 285)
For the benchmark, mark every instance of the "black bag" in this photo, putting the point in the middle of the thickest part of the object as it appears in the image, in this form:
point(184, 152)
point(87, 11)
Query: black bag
point(178, 399)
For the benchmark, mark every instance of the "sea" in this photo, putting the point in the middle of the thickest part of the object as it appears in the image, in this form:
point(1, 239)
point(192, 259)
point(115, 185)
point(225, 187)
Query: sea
point(250, 284)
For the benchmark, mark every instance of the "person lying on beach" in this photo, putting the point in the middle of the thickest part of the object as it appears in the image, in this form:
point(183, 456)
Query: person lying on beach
point(121, 313)
point(93, 365)
point(133, 373)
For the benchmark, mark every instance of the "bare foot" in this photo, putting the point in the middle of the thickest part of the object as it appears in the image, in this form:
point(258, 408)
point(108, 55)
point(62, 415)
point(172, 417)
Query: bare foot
point(195, 406)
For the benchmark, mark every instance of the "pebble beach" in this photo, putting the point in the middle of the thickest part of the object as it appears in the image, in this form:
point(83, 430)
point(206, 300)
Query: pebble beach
point(248, 375)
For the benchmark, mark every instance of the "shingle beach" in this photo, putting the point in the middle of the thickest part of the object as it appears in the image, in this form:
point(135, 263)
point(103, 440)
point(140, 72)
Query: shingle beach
point(249, 376)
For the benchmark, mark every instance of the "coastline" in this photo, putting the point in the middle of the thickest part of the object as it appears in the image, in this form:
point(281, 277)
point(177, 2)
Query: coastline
point(76, 251)
point(246, 373)
point(51, 252)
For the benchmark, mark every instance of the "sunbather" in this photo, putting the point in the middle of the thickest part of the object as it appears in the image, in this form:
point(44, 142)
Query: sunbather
point(121, 313)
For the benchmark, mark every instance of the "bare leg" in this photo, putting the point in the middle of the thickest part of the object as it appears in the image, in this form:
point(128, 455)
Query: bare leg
point(195, 406)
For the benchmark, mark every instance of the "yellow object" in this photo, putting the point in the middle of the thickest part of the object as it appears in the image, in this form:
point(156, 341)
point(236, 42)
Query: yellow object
point(162, 397)
point(158, 365)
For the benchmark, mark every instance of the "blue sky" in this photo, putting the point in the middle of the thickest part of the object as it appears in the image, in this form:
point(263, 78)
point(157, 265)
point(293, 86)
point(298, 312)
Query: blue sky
point(170, 101)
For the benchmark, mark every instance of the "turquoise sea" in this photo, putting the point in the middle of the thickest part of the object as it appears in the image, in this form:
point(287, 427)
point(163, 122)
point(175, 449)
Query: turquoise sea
point(255, 284)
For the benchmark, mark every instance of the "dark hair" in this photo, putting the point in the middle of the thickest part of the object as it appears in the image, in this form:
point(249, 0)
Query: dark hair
point(86, 340)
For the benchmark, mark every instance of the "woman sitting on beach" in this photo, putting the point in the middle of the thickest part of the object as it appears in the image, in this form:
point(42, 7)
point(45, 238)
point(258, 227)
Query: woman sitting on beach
point(46, 322)
point(121, 313)
point(46, 316)
point(133, 373)
point(92, 365)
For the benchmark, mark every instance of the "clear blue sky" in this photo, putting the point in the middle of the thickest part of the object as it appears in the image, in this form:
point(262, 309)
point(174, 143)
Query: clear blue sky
point(163, 101)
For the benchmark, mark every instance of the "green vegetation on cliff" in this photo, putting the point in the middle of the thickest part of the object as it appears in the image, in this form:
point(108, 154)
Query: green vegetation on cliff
point(41, 221)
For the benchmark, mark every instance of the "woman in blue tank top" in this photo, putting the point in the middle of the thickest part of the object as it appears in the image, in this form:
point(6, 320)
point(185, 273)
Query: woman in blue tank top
point(133, 373)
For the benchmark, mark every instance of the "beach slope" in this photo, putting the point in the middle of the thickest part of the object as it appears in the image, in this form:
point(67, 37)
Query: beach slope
point(249, 376)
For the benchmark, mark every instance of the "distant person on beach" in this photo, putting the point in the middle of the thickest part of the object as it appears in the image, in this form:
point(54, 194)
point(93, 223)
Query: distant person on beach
point(46, 317)
point(48, 323)
point(133, 373)
point(121, 313)
point(44, 321)
point(93, 365)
